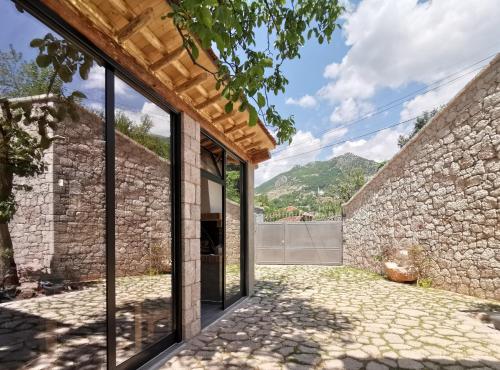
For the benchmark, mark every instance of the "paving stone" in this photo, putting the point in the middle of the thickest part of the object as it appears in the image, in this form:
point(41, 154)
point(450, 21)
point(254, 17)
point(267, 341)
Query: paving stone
point(317, 317)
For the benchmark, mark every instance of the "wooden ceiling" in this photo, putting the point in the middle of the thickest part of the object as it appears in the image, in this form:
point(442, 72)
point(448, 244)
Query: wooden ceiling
point(136, 27)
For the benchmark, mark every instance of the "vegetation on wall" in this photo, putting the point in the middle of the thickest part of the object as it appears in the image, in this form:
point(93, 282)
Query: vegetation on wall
point(420, 122)
point(247, 72)
point(141, 133)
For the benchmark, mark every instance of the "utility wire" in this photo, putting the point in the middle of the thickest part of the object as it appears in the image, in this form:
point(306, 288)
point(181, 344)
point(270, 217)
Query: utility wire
point(393, 103)
point(346, 140)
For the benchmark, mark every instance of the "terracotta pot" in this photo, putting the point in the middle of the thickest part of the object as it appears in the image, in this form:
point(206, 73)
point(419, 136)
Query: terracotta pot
point(495, 319)
point(399, 274)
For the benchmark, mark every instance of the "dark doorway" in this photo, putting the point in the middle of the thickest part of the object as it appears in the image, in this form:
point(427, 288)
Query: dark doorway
point(223, 237)
point(212, 230)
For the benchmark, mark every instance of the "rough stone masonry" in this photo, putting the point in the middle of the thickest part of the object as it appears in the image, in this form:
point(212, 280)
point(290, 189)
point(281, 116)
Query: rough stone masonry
point(441, 191)
point(59, 226)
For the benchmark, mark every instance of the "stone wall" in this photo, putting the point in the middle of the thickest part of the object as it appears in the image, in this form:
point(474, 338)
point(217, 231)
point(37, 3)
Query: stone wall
point(233, 232)
point(60, 224)
point(191, 227)
point(441, 191)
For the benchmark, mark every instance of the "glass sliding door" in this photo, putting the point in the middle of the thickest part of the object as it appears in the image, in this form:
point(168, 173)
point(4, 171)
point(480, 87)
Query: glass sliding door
point(234, 205)
point(53, 249)
point(143, 188)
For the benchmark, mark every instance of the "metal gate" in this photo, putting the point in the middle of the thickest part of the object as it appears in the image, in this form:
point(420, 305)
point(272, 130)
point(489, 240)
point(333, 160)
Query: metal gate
point(295, 243)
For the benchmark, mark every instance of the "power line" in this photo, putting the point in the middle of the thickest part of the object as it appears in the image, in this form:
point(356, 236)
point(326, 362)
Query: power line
point(349, 139)
point(395, 102)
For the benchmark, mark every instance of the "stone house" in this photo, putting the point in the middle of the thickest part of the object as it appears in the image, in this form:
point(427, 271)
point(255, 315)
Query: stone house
point(114, 215)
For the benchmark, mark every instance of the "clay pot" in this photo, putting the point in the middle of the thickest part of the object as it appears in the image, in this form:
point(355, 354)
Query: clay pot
point(400, 274)
point(495, 319)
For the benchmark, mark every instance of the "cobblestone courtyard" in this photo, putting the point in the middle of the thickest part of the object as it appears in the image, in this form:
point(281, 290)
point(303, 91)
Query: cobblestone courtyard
point(304, 317)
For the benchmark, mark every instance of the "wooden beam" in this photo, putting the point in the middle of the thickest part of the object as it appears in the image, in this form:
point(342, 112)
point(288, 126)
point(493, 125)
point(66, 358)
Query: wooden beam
point(236, 127)
point(165, 60)
point(252, 145)
point(224, 116)
point(183, 87)
point(104, 39)
point(209, 101)
point(135, 25)
point(260, 156)
point(244, 137)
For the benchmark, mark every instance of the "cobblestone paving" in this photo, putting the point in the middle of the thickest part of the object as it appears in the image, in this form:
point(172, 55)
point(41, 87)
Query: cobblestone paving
point(68, 330)
point(304, 317)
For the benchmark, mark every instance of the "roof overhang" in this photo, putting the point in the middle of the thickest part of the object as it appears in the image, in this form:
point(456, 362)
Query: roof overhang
point(133, 33)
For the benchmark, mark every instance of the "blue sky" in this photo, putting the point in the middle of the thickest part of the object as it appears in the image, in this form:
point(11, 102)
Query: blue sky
point(387, 49)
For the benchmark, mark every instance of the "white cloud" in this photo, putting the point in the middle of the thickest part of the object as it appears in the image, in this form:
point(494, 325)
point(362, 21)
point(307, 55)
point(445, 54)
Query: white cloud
point(281, 163)
point(333, 135)
point(396, 42)
point(160, 118)
point(307, 101)
point(431, 99)
point(349, 110)
point(96, 80)
point(380, 147)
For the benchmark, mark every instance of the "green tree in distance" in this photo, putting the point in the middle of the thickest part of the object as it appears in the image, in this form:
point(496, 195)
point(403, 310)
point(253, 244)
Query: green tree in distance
point(350, 184)
point(141, 133)
point(246, 72)
point(21, 150)
point(420, 122)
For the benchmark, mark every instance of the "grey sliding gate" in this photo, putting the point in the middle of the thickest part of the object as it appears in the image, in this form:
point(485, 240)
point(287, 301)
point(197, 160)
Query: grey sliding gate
point(296, 243)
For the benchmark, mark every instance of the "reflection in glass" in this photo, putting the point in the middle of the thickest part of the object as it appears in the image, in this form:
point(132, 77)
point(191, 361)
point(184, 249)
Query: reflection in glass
point(52, 290)
point(233, 230)
point(143, 223)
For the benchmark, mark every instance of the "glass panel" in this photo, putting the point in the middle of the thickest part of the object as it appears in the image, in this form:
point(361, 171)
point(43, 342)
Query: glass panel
point(211, 156)
point(233, 229)
point(211, 242)
point(143, 223)
point(52, 299)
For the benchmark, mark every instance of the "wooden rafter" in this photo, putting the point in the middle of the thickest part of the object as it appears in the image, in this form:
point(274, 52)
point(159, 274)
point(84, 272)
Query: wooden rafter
point(245, 137)
point(214, 99)
point(224, 116)
point(236, 127)
point(167, 59)
point(253, 145)
point(150, 50)
point(135, 25)
point(183, 87)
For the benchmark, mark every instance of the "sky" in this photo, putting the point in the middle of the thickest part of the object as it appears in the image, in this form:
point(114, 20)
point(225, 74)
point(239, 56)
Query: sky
point(392, 60)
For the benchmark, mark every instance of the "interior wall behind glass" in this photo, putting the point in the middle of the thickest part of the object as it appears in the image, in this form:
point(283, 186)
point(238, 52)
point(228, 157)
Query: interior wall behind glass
point(143, 222)
point(52, 295)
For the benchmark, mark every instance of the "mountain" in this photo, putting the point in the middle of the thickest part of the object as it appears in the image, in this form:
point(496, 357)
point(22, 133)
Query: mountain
point(322, 175)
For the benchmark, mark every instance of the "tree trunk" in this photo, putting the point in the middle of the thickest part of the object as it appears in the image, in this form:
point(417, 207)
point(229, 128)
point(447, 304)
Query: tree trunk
point(8, 268)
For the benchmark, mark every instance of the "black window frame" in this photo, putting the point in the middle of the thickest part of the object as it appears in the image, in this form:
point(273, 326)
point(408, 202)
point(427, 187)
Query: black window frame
point(243, 219)
point(113, 69)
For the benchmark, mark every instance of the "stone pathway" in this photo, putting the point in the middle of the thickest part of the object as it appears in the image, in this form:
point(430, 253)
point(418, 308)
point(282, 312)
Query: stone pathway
point(304, 317)
point(68, 330)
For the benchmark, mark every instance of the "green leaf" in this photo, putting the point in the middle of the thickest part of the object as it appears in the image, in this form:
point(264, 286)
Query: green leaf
point(78, 94)
point(261, 100)
point(252, 120)
point(43, 60)
point(228, 107)
point(36, 43)
point(65, 74)
point(194, 51)
point(206, 17)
